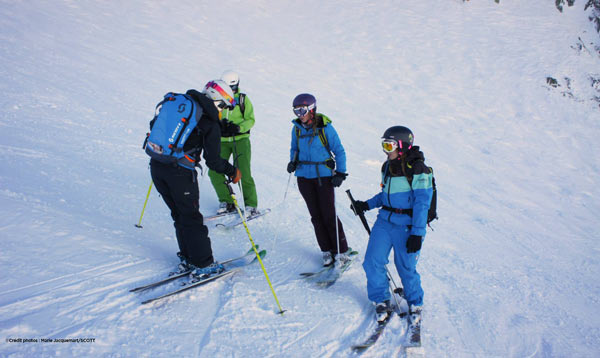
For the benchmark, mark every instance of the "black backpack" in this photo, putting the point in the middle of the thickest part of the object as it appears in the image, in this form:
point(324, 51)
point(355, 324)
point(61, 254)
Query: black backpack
point(432, 213)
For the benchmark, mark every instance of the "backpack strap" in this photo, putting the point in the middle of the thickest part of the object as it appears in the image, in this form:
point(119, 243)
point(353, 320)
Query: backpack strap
point(242, 100)
point(322, 138)
point(177, 146)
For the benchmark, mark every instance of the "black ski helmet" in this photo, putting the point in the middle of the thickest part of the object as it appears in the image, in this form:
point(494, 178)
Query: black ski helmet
point(305, 99)
point(402, 135)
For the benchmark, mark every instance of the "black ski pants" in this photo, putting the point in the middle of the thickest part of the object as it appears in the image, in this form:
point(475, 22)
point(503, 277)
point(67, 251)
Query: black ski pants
point(320, 200)
point(179, 189)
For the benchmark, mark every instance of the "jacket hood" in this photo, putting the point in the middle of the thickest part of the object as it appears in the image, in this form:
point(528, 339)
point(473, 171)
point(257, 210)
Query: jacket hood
point(208, 107)
point(414, 154)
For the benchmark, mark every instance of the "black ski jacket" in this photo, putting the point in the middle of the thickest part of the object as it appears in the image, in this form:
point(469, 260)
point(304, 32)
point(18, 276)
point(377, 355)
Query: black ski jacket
point(207, 136)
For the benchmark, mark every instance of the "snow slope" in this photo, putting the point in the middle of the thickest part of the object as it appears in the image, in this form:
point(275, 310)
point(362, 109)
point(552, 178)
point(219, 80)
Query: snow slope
point(511, 269)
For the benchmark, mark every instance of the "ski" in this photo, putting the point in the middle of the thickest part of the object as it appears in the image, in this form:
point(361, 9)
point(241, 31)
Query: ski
point(325, 269)
point(413, 333)
point(239, 222)
point(360, 348)
point(193, 284)
point(175, 275)
point(413, 330)
point(336, 273)
point(232, 265)
point(170, 278)
point(312, 275)
point(218, 216)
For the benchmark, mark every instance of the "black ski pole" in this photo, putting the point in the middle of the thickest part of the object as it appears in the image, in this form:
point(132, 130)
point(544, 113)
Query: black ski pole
point(361, 215)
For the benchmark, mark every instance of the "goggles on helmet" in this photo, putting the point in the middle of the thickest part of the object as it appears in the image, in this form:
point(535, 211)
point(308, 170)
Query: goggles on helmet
point(389, 145)
point(301, 111)
point(230, 100)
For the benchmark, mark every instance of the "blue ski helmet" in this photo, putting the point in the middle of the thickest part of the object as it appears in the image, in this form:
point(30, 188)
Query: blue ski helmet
point(305, 100)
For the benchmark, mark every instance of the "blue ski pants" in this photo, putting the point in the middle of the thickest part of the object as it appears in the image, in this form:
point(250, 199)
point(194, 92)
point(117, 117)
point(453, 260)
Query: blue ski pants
point(384, 237)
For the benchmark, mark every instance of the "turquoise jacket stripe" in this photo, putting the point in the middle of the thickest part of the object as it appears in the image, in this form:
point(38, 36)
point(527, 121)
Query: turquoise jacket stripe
point(397, 193)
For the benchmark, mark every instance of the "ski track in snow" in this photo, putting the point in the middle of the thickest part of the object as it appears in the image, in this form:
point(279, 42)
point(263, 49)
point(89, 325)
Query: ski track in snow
point(510, 270)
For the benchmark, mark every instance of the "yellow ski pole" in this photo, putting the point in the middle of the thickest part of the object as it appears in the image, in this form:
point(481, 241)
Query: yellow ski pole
point(139, 225)
point(254, 246)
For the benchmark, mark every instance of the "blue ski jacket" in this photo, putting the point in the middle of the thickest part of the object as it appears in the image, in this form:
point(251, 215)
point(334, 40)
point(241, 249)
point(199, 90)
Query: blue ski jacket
point(398, 193)
point(312, 153)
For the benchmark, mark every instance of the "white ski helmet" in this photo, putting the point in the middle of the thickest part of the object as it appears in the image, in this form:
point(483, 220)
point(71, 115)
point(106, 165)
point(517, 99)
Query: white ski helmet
point(232, 79)
point(218, 90)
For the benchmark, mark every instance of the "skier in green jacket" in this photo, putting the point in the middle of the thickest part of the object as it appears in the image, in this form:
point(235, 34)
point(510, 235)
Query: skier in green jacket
point(235, 141)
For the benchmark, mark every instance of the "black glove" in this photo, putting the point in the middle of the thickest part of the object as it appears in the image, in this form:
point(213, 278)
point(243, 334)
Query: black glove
point(292, 167)
point(359, 207)
point(230, 128)
point(330, 163)
point(338, 178)
point(413, 244)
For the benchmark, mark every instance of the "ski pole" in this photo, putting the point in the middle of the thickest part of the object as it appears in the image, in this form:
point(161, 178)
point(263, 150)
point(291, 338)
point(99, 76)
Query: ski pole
point(281, 310)
point(139, 225)
point(235, 163)
point(337, 231)
point(289, 177)
point(366, 225)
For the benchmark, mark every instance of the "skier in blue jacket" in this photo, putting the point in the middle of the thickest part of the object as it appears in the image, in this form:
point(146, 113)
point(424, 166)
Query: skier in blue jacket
point(406, 191)
point(315, 144)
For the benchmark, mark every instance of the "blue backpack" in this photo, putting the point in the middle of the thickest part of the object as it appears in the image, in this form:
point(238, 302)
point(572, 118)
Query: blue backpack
point(176, 117)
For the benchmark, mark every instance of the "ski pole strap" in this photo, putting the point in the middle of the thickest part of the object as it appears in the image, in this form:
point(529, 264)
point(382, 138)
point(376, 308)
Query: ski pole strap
point(408, 212)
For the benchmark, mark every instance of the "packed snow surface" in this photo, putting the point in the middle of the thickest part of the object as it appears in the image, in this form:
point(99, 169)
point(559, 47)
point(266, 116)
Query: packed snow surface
point(511, 269)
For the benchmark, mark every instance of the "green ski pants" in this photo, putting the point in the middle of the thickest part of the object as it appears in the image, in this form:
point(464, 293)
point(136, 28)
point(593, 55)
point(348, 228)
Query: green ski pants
point(243, 149)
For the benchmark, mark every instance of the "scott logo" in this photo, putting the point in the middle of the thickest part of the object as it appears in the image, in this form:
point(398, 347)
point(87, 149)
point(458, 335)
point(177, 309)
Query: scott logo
point(181, 108)
point(175, 131)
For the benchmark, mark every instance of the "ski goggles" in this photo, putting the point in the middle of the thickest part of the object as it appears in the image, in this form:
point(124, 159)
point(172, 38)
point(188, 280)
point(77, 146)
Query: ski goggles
point(229, 100)
point(301, 111)
point(389, 145)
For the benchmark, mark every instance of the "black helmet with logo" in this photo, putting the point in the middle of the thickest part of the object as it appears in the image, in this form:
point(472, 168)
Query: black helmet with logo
point(401, 135)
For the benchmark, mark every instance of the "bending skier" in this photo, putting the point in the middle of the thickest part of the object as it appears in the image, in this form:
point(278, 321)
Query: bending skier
point(177, 181)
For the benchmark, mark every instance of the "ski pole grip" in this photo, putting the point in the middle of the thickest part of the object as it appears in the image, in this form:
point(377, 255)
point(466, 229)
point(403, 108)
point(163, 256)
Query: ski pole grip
point(352, 201)
point(361, 215)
